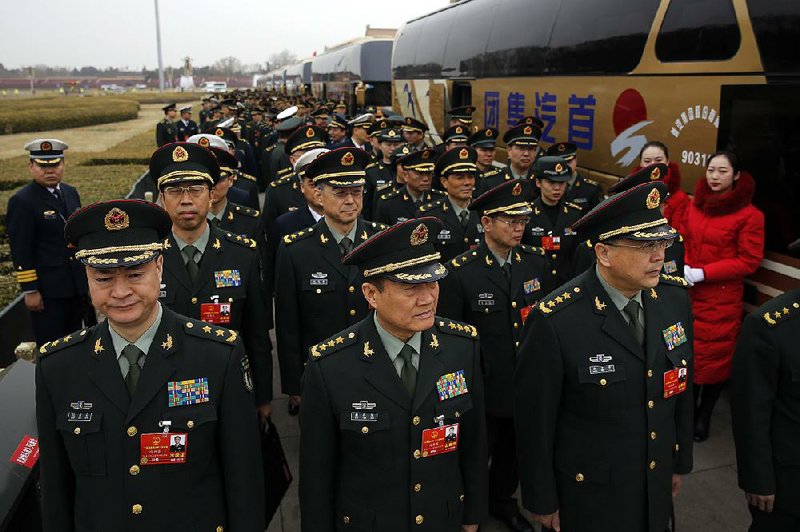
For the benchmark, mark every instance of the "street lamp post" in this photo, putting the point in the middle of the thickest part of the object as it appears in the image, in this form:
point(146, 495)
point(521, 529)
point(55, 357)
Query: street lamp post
point(158, 46)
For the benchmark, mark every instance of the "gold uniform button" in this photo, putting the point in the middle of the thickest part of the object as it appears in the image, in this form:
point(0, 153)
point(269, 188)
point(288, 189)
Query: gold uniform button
point(417, 487)
point(417, 454)
point(319, 290)
point(352, 312)
point(677, 447)
point(190, 424)
point(457, 414)
point(364, 429)
point(419, 519)
point(653, 435)
point(513, 304)
point(461, 497)
point(652, 465)
point(194, 301)
point(649, 373)
point(416, 420)
point(554, 256)
point(346, 519)
point(134, 470)
point(683, 361)
point(136, 509)
point(132, 431)
point(352, 289)
point(603, 382)
point(77, 430)
point(516, 325)
point(651, 404)
point(554, 272)
point(579, 477)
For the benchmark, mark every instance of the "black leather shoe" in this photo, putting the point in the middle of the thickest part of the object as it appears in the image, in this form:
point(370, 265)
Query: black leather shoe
point(515, 521)
point(293, 409)
point(701, 429)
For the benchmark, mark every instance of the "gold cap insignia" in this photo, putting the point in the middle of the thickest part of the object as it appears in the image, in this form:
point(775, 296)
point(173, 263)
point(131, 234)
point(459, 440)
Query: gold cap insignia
point(489, 132)
point(348, 159)
point(653, 199)
point(426, 154)
point(180, 154)
point(561, 147)
point(219, 132)
point(419, 235)
point(203, 142)
point(459, 130)
point(46, 146)
point(463, 154)
point(517, 190)
point(310, 133)
point(527, 131)
point(529, 120)
point(392, 133)
point(117, 219)
point(655, 174)
point(405, 150)
point(559, 167)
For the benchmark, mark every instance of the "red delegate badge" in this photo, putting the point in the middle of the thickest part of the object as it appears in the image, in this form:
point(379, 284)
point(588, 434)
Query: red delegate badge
point(439, 440)
point(551, 243)
point(524, 311)
point(675, 382)
point(215, 312)
point(164, 448)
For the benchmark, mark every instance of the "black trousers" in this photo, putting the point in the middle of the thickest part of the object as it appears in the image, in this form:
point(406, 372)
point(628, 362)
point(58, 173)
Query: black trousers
point(773, 521)
point(60, 317)
point(503, 468)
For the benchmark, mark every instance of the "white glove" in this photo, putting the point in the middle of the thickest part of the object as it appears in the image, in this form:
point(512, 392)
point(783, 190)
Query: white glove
point(693, 275)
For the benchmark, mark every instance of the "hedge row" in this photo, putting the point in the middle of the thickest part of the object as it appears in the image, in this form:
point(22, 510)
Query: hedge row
point(65, 113)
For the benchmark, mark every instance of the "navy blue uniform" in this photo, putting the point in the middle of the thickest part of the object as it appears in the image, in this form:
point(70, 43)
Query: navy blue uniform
point(184, 131)
point(42, 262)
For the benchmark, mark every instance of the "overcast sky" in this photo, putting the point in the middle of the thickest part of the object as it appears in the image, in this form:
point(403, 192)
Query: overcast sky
point(121, 33)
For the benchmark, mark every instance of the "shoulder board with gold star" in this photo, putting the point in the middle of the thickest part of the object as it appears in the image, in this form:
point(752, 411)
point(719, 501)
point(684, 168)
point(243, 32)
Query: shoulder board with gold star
point(70, 339)
point(559, 299)
point(281, 181)
point(202, 329)
point(334, 343)
point(573, 205)
point(378, 226)
point(247, 176)
point(464, 258)
point(390, 194)
point(432, 205)
point(373, 164)
point(241, 240)
point(676, 280)
point(493, 171)
point(591, 181)
point(269, 148)
point(435, 192)
point(299, 235)
point(781, 309)
point(456, 328)
point(247, 211)
point(533, 250)
point(286, 171)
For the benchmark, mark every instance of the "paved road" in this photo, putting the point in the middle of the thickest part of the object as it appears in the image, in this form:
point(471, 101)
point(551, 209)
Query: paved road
point(88, 138)
point(710, 500)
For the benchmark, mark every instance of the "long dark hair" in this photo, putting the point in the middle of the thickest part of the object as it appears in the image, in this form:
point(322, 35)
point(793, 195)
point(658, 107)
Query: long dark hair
point(733, 160)
point(655, 144)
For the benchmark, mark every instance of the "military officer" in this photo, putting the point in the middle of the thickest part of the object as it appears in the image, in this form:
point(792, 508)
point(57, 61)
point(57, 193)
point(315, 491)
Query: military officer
point(317, 295)
point(381, 172)
point(337, 129)
point(494, 288)
point(582, 191)
point(359, 134)
point(274, 159)
point(166, 133)
point(226, 214)
point(185, 127)
point(602, 400)
point(402, 204)
point(303, 217)
point(380, 397)
point(111, 397)
point(461, 116)
point(764, 401)
point(54, 286)
point(484, 141)
point(242, 189)
point(522, 142)
point(211, 274)
point(414, 132)
point(205, 112)
point(550, 226)
point(320, 117)
point(461, 227)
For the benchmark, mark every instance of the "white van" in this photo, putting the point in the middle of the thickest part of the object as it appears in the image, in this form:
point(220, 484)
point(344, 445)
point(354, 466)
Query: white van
point(216, 86)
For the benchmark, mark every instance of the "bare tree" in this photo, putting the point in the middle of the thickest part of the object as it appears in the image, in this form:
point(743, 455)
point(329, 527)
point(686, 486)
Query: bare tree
point(228, 66)
point(284, 57)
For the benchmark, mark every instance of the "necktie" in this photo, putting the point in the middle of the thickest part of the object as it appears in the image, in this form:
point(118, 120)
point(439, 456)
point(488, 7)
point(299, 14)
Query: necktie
point(215, 221)
point(346, 245)
point(507, 270)
point(631, 310)
point(408, 374)
point(59, 197)
point(133, 354)
point(189, 253)
point(464, 218)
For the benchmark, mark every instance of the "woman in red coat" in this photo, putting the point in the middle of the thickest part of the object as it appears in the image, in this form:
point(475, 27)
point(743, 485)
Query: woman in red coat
point(678, 201)
point(724, 237)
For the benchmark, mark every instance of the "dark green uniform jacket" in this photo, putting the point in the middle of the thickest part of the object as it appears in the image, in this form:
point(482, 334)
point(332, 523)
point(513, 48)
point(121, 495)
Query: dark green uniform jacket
point(93, 479)
point(765, 402)
point(477, 291)
point(585, 193)
point(361, 465)
point(398, 206)
point(597, 440)
point(453, 238)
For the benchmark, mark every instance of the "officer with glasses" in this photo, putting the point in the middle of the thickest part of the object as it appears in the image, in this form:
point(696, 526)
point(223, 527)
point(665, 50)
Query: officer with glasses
point(603, 403)
point(210, 274)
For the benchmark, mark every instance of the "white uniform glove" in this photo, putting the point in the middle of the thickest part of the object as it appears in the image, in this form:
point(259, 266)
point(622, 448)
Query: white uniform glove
point(693, 275)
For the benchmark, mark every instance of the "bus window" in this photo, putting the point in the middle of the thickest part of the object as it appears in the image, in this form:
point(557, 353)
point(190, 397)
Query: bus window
point(519, 37)
point(777, 24)
point(463, 56)
point(698, 30)
point(405, 49)
point(600, 37)
point(432, 41)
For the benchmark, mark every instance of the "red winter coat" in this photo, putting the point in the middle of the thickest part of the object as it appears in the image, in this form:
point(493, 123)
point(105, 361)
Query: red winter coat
point(724, 235)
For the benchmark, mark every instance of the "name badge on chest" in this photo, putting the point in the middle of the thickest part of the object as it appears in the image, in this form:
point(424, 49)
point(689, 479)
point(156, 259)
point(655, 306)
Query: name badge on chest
point(675, 381)
point(551, 243)
point(439, 440)
point(227, 278)
point(318, 279)
point(215, 312)
point(444, 234)
point(50, 215)
point(157, 448)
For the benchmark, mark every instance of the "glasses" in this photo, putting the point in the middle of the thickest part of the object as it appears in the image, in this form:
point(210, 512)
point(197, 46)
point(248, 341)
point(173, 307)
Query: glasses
point(648, 247)
point(194, 191)
point(516, 222)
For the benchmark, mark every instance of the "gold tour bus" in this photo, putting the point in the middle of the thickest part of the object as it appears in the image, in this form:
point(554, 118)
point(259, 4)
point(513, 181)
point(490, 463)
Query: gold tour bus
point(610, 75)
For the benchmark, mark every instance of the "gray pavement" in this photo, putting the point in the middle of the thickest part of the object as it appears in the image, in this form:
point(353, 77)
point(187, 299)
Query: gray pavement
point(710, 500)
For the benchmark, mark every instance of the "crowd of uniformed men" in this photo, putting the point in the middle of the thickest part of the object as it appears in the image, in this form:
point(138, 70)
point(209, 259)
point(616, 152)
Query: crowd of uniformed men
point(448, 328)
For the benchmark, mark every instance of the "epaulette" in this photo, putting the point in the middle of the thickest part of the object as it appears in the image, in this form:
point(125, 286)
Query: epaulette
point(241, 240)
point(299, 235)
point(284, 171)
point(247, 176)
point(247, 211)
point(591, 181)
point(493, 171)
point(573, 205)
point(457, 328)
point(780, 309)
point(434, 192)
point(281, 181)
point(558, 300)
point(379, 226)
point(336, 342)
point(269, 148)
point(675, 280)
point(373, 164)
point(431, 205)
point(533, 250)
point(391, 194)
point(202, 329)
point(464, 258)
point(70, 339)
